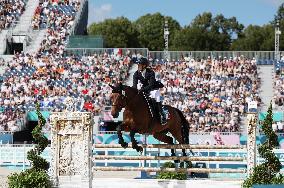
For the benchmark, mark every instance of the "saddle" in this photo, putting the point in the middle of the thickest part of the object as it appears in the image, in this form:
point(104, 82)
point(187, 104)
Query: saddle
point(152, 106)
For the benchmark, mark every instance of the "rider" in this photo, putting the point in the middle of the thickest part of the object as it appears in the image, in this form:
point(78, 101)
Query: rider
point(150, 86)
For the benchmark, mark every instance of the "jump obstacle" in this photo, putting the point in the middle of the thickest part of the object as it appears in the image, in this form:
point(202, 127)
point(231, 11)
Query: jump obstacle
point(72, 144)
point(171, 158)
point(251, 155)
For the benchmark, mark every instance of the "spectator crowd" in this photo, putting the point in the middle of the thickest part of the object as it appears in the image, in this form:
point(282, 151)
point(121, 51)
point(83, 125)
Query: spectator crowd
point(52, 78)
point(213, 93)
point(279, 84)
point(10, 11)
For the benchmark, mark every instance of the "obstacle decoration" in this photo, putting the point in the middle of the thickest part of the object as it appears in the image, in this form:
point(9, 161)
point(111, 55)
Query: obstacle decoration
point(36, 176)
point(172, 175)
point(71, 147)
point(267, 172)
point(251, 142)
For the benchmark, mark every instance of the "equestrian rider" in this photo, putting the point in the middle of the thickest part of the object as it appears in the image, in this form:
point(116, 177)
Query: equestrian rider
point(150, 86)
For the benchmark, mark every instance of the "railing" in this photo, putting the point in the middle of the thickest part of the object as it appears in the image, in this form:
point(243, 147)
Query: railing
point(192, 133)
point(176, 55)
point(91, 51)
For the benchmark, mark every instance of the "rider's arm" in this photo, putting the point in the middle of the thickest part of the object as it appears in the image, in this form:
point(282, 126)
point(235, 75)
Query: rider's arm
point(152, 81)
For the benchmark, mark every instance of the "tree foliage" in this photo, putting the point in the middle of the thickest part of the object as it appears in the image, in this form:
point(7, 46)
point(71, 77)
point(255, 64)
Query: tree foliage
point(205, 32)
point(255, 38)
point(117, 33)
point(151, 30)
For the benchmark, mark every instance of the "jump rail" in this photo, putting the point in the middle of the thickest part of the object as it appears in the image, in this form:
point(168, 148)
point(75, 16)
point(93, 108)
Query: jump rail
point(180, 146)
point(181, 158)
point(149, 169)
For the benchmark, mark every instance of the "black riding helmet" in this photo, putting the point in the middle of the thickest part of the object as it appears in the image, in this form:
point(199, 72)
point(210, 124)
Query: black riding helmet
point(143, 61)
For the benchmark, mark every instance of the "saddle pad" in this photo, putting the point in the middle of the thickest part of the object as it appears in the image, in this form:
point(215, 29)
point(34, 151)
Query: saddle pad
point(167, 112)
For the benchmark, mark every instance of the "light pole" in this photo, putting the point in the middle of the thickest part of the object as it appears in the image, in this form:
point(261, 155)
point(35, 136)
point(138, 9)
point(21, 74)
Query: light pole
point(166, 38)
point(277, 36)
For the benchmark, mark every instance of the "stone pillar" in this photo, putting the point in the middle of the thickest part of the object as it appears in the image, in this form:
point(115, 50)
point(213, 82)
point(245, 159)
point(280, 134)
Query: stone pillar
point(251, 142)
point(71, 148)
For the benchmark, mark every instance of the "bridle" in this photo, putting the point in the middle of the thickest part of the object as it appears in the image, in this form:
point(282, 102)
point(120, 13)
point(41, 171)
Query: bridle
point(126, 99)
point(123, 97)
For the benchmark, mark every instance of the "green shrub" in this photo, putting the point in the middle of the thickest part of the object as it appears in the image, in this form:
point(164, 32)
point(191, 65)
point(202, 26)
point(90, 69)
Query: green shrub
point(30, 178)
point(171, 175)
point(37, 176)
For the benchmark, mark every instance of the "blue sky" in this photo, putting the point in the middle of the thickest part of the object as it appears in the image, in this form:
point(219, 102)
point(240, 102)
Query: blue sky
point(256, 12)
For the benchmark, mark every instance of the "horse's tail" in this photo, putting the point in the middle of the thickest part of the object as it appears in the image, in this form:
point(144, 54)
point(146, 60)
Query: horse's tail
point(184, 126)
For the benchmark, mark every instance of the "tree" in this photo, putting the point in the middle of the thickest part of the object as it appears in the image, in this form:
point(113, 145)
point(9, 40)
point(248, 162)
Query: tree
point(223, 30)
point(255, 38)
point(190, 39)
point(117, 33)
point(208, 33)
point(151, 30)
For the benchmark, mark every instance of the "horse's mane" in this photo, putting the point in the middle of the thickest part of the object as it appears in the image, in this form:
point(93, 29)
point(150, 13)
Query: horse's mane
point(124, 87)
point(121, 87)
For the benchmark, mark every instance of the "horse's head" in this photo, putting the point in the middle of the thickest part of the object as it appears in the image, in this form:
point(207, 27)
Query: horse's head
point(118, 99)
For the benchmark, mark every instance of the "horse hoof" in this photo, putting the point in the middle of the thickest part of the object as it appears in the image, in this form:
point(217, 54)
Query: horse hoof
point(124, 144)
point(185, 164)
point(176, 161)
point(139, 149)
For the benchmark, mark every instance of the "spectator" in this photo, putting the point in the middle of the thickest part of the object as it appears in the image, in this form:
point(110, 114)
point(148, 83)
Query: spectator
point(10, 11)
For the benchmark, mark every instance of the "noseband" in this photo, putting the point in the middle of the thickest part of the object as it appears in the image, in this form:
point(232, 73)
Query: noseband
point(123, 97)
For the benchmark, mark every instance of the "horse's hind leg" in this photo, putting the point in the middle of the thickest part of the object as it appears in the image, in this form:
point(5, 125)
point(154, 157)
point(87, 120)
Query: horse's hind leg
point(183, 152)
point(166, 139)
point(120, 138)
point(134, 142)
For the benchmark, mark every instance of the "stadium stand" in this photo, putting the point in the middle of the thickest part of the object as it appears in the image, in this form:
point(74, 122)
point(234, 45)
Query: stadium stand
point(279, 83)
point(212, 93)
point(10, 11)
point(51, 77)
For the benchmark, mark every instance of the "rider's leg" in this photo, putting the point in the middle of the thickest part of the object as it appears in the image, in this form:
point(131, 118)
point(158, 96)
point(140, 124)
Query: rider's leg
point(152, 104)
point(163, 117)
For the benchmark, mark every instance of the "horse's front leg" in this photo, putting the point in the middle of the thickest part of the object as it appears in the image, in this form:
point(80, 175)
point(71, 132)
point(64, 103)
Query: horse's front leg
point(134, 142)
point(120, 137)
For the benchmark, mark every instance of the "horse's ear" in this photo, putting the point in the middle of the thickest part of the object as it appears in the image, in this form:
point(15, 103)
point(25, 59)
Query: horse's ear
point(121, 86)
point(114, 89)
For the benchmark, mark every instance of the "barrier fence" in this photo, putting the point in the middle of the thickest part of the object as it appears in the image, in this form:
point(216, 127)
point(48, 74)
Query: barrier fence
point(179, 146)
point(176, 55)
point(181, 158)
point(170, 158)
point(149, 169)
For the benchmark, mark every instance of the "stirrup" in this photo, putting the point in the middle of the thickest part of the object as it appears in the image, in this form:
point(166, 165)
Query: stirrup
point(163, 123)
point(163, 120)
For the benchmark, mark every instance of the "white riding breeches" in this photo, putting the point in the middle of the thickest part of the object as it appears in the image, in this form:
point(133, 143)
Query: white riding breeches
point(156, 94)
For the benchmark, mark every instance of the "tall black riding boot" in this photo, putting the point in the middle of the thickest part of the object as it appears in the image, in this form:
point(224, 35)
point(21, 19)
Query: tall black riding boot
point(162, 114)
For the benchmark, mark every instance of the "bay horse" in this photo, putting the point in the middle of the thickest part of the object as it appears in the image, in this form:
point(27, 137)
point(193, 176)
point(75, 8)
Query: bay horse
point(137, 118)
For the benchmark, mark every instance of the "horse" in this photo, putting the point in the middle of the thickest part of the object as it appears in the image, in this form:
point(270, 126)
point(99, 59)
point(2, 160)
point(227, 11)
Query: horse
point(138, 118)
